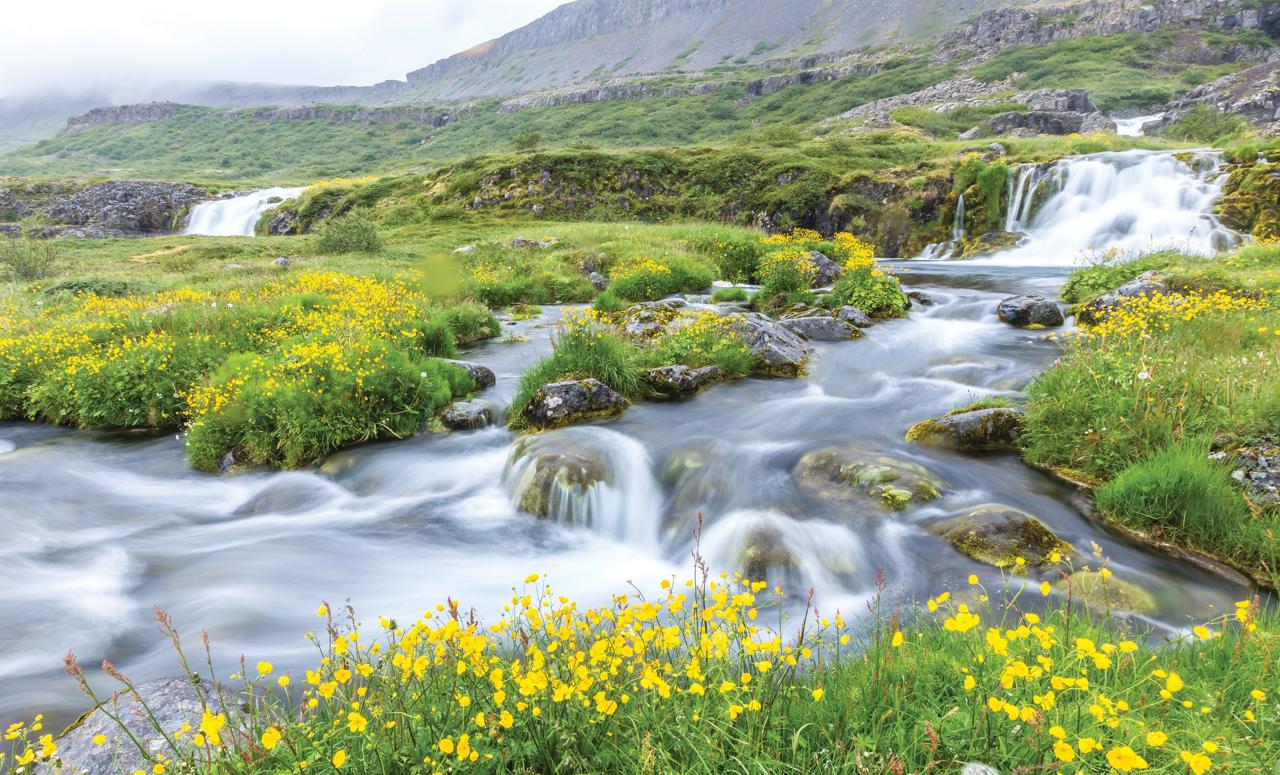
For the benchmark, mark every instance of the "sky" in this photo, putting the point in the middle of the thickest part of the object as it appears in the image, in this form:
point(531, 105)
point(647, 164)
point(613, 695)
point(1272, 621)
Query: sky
point(77, 45)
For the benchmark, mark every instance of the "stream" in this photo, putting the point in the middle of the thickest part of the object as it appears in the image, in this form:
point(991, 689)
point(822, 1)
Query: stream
point(97, 528)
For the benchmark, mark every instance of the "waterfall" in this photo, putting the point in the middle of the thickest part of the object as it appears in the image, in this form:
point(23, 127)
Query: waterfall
point(588, 477)
point(237, 216)
point(1131, 201)
point(957, 228)
point(1134, 127)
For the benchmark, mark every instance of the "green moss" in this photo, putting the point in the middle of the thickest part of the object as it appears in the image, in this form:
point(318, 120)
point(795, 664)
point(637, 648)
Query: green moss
point(1000, 536)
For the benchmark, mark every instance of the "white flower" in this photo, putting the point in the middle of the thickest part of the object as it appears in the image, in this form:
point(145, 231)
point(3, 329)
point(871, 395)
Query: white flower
point(1144, 375)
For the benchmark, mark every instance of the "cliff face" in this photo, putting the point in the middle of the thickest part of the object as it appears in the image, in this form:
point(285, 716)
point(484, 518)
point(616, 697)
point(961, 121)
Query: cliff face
point(598, 39)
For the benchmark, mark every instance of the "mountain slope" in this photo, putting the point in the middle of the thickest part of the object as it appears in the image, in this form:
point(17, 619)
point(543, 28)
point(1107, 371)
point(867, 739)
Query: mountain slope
point(591, 39)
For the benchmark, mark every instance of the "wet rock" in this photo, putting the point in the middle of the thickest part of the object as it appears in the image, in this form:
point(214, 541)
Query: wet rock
point(1107, 593)
point(284, 262)
point(466, 416)
point(648, 319)
point(798, 310)
point(547, 477)
point(854, 316)
point(778, 351)
point(822, 329)
point(985, 244)
point(1030, 310)
point(921, 298)
point(288, 493)
point(826, 270)
point(982, 430)
point(1098, 122)
point(567, 403)
point(173, 702)
point(227, 462)
point(681, 381)
point(765, 555)
point(999, 535)
point(855, 475)
point(483, 376)
point(283, 223)
point(1147, 284)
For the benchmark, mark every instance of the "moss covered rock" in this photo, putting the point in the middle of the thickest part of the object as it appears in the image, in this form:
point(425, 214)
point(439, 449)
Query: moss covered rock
point(985, 244)
point(855, 475)
point(999, 535)
point(542, 478)
point(1107, 593)
point(982, 430)
point(1250, 199)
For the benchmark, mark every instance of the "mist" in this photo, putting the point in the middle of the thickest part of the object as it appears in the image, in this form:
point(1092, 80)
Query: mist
point(122, 51)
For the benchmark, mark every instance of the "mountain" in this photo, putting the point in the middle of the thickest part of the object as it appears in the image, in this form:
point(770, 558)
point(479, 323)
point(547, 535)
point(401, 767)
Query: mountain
point(592, 39)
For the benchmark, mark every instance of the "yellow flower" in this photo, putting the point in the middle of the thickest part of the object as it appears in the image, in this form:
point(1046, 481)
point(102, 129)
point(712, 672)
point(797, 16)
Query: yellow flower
point(283, 681)
point(1064, 751)
point(973, 579)
point(1045, 589)
point(817, 694)
point(339, 759)
point(211, 727)
point(356, 722)
point(270, 738)
point(897, 639)
point(99, 739)
point(969, 683)
point(531, 578)
point(1258, 695)
point(445, 746)
point(265, 668)
point(1087, 745)
point(1198, 762)
point(1210, 746)
point(1156, 739)
point(1174, 683)
point(322, 610)
point(1125, 759)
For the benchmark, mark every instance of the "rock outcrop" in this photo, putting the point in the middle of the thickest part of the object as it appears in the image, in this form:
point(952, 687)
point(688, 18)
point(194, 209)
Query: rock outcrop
point(119, 208)
point(1030, 310)
point(779, 352)
point(1147, 284)
point(1000, 536)
point(673, 382)
point(466, 416)
point(856, 476)
point(982, 430)
point(822, 329)
point(571, 402)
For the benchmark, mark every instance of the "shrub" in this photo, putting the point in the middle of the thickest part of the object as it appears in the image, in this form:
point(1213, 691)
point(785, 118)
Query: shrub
point(353, 233)
point(706, 339)
point(737, 259)
point(786, 271)
point(528, 140)
point(871, 290)
point(730, 294)
point(29, 259)
point(584, 347)
point(470, 323)
point(644, 279)
point(1110, 272)
point(609, 303)
point(1205, 124)
point(293, 408)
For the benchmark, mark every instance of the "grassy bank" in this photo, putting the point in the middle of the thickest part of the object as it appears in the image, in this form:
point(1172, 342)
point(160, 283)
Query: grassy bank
point(687, 677)
point(1139, 401)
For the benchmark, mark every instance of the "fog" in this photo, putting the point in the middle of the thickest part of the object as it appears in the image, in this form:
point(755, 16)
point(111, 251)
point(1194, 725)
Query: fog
point(124, 47)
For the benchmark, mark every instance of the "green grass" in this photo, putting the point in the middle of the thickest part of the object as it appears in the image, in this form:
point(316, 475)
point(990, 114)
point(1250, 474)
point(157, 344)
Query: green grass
point(951, 123)
point(581, 352)
point(721, 295)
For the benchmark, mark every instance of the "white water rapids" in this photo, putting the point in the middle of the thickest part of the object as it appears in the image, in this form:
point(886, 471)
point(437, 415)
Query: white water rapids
point(236, 216)
point(1135, 127)
point(96, 528)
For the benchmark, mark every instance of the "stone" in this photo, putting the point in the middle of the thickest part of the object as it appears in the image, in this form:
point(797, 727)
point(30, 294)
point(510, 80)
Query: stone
point(483, 376)
point(854, 475)
point(854, 316)
point(598, 281)
point(1258, 468)
point(574, 401)
point(282, 223)
point(129, 207)
point(999, 535)
point(1147, 284)
point(284, 262)
point(983, 430)
point(1099, 122)
point(464, 250)
point(1030, 310)
point(986, 244)
point(521, 242)
point(822, 329)
point(227, 462)
point(1107, 593)
point(778, 351)
point(827, 271)
point(997, 149)
point(681, 381)
point(972, 134)
point(172, 701)
point(547, 475)
point(466, 416)
point(921, 298)
point(651, 317)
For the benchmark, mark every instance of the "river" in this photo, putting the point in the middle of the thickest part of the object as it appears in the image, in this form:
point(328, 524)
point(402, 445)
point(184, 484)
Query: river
point(96, 528)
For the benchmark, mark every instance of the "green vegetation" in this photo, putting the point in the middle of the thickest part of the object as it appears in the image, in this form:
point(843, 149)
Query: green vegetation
point(681, 678)
point(721, 295)
point(582, 351)
point(1136, 399)
point(871, 290)
point(1119, 71)
point(29, 259)
point(1204, 124)
point(949, 124)
point(352, 233)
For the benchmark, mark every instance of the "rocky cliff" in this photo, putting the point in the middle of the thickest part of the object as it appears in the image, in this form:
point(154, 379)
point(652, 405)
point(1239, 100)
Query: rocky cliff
point(122, 208)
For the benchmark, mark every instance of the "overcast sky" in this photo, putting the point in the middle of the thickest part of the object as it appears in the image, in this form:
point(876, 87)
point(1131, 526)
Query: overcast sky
point(77, 44)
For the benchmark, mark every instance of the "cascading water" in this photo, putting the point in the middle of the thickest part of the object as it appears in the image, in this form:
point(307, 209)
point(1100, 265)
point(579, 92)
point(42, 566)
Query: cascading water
point(1128, 202)
point(1136, 126)
point(237, 216)
point(957, 228)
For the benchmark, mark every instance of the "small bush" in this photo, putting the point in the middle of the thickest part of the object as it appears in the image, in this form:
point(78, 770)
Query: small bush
point(786, 271)
point(609, 303)
point(737, 259)
point(29, 259)
point(706, 340)
point(1204, 124)
point(874, 292)
point(644, 279)
point(730, 294)
point(470, 323)
point(354, 233)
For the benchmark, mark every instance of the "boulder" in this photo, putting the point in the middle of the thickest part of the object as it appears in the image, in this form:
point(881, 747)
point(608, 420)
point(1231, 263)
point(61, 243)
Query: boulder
point(482, 375)
point(1107, 594)
point(466, 416)
point(574, 401)
point(521, 242)
point(826, 270)
point(547, 477)
point(172, 701)
point(1258, 469)
point(999, 535)
point(854, 316)
point(651, 317)
point(982, 430)
point(1099, 122)
point(1037, 122)
point(822, 329)
point(973, 133)
point(778, 351)
point(1030, 310)
point(598, 281)
point(854, 475)
point(765, 556)
point(921, 298)
point(282, 223)
point(1147, 284)
point(681, 381)
point(284, 262)
point(986, 244)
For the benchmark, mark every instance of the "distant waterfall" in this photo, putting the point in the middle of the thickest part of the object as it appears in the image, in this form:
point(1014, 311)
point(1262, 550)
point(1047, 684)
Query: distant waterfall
point(237, 216)
point(957, 228)
point(1132, 201)
point(1136, 126)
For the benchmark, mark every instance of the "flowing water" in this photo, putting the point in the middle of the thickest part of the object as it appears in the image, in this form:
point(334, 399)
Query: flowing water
point(95, 529)
point(1135, 127)
point(236, 216)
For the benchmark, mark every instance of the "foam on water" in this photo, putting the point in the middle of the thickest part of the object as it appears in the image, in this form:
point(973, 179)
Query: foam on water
point(236, 217)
